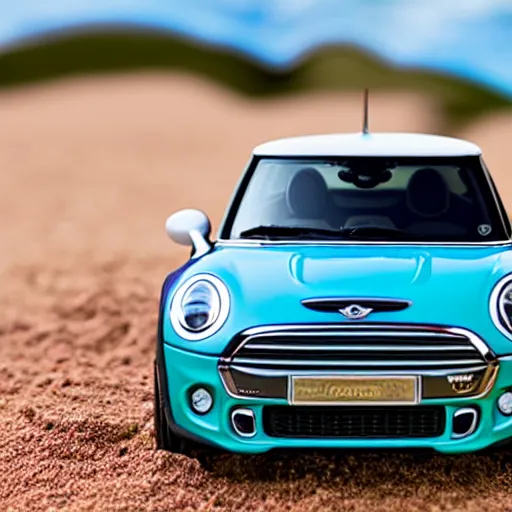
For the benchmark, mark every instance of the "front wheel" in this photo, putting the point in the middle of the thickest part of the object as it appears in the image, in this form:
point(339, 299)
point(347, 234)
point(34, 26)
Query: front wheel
point(165, 438)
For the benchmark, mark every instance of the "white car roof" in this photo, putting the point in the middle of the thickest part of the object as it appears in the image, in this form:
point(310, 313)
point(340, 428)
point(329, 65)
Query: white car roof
point(372, 144)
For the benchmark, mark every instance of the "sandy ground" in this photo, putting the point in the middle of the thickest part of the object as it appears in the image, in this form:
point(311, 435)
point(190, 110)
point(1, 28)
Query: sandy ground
point(89, 170)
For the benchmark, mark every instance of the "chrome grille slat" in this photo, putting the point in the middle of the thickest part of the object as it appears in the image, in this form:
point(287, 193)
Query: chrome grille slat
point(358, 347)
point(361, 333)
point(337, 347)
point(276, 372)
point(292, 362)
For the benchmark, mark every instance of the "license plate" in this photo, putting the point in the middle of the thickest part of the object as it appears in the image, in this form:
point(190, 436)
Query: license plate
point(354, 390)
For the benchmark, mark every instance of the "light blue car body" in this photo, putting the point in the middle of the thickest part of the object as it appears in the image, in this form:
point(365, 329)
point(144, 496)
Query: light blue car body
point(447, 286)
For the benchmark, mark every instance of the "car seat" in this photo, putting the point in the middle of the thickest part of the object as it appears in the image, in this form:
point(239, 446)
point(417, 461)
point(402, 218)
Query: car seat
point(428, 199)
point(307, 199)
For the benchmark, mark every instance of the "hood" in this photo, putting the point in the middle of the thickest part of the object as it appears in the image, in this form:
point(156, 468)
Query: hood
point(447, 285)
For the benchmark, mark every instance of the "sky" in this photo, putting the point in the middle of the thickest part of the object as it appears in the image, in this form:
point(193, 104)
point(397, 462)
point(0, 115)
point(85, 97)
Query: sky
point(468, 38)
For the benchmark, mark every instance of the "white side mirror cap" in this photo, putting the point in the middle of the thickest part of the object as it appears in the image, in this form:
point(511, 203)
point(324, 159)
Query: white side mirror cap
point(190, 227)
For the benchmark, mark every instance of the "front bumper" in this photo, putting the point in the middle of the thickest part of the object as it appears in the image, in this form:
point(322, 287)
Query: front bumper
point(185, 370)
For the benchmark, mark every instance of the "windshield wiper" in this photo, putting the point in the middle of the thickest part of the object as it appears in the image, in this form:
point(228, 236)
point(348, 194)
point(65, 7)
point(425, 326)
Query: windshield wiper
point(304, 233)
point(378, 233)
point(297, 232)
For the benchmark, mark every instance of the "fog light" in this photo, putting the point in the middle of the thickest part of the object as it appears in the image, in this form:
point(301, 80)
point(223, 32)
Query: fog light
point(201, 400)
point(505, 403)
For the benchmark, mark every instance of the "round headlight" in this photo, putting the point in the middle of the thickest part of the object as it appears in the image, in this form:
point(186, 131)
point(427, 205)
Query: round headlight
point(501, 305)
point(199, 307)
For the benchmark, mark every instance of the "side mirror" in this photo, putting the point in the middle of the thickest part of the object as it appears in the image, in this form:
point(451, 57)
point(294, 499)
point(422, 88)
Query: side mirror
point(190, 227)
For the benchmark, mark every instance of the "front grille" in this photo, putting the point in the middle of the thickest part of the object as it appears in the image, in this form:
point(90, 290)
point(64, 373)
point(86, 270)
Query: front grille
point(353, 422)
point(367, 347)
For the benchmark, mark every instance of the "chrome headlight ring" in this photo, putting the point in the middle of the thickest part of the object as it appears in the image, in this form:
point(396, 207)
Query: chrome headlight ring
point(500, 305)
point(199, 307)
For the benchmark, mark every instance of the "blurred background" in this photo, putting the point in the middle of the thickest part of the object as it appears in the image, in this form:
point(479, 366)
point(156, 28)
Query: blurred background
point(115, 113)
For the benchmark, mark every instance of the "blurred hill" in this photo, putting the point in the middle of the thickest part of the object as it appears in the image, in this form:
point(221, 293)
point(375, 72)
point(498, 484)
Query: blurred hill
point(328, 69)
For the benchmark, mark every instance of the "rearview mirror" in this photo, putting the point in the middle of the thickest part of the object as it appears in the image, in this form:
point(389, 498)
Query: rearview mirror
point(190, 227)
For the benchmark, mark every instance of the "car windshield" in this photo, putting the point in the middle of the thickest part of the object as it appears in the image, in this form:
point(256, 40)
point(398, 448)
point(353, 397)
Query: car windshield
point(366, 198)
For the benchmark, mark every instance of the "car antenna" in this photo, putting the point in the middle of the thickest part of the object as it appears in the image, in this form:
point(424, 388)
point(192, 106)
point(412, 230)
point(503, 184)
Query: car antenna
point(365, 113)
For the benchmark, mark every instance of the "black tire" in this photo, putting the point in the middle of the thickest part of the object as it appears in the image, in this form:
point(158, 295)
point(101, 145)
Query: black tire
point(165, 438)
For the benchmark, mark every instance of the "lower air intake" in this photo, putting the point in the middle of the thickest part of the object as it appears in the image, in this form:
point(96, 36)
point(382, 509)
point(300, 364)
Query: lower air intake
point(353, 422)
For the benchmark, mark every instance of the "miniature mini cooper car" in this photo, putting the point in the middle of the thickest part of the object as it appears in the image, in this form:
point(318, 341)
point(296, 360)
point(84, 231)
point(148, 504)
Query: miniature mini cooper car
point(359, 294)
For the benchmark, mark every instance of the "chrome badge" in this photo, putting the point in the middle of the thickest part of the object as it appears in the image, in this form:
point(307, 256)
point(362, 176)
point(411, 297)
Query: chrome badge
point(464, 383)
point(355, 312)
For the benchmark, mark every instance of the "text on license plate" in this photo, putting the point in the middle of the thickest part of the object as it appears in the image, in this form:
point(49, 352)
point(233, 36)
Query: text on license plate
point(354, 390)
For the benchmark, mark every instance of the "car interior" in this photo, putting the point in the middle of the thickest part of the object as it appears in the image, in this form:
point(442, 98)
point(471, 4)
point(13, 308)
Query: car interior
point(424, 205)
